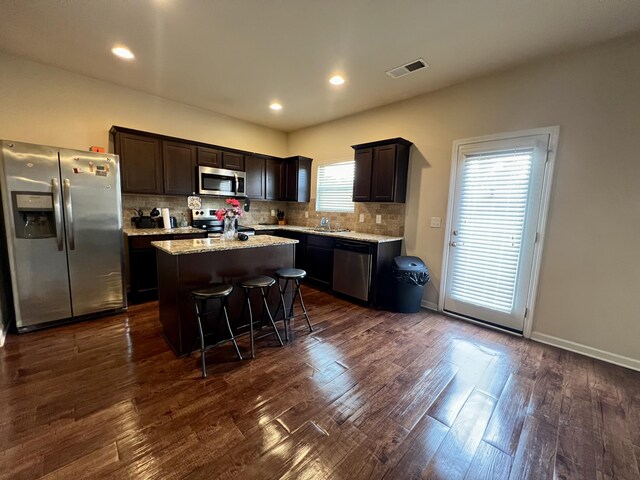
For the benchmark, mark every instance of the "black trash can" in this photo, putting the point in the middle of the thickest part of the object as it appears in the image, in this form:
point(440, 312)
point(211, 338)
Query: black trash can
point(410, 276)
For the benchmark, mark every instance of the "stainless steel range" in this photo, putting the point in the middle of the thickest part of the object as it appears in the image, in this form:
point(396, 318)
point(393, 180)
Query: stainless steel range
point(206, 219)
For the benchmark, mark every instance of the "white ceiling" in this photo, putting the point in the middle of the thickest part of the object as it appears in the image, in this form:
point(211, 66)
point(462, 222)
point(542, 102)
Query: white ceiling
point(236, 56)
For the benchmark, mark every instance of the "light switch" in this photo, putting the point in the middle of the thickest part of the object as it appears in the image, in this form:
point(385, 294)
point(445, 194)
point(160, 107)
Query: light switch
point(273, 213)
point(435, 222)
point(306, 214)
point(361, 218)
point(378, 218)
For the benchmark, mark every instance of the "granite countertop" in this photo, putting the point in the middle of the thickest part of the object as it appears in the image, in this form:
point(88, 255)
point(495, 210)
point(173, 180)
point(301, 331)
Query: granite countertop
point(363, 237)
point(135, 232)
point(204, 245)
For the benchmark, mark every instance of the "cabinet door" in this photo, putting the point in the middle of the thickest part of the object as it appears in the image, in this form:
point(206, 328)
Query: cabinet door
point(140, 163)
point(319, 263)
point(291, 180)
point(233, 161)
point(362, 175)
point(274, 169)
point(255, 177)
point(179, 168)
point(383, 174)
point(209, 157)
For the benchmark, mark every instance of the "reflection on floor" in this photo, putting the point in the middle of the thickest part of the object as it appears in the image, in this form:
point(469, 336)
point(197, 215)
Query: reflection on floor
point(369, 394)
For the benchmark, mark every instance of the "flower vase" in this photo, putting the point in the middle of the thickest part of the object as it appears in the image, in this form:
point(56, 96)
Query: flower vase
point(229, 231)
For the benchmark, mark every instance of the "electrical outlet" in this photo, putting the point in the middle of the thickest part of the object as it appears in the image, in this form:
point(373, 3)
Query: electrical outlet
point(361, 218)
point(306, 214)
point(273, 213)
point(435, 222)
point(378, 218)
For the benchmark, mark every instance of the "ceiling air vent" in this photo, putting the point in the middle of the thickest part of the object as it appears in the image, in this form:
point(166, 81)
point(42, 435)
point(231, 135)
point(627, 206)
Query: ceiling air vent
point(407, 68)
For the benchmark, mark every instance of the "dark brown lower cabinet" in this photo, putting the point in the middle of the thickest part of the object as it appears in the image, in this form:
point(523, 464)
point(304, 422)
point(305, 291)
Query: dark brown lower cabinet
point(320, 260)
point(143, 271)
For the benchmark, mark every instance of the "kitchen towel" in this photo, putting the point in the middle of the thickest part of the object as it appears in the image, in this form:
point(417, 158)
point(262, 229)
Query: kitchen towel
point(166, 219)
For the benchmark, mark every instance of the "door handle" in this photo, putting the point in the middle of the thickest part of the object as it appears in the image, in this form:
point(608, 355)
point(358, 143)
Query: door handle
point(57, 213)
point(66, 192)
point(235, 176)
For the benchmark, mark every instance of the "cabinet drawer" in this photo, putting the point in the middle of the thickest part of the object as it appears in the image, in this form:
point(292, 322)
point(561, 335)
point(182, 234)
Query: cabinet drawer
point(320, 241)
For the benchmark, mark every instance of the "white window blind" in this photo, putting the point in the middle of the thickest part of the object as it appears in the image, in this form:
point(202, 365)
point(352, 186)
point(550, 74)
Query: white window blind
point(492, 209)
point(335, 187)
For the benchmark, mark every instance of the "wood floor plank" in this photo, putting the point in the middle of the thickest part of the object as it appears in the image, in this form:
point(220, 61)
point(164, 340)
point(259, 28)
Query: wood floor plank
point(535, 456)
point(489, 463)
point(107, 398)
point(459, 447)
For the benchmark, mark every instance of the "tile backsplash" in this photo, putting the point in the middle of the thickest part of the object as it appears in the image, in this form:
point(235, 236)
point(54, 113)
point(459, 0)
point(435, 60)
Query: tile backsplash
point(392, 214)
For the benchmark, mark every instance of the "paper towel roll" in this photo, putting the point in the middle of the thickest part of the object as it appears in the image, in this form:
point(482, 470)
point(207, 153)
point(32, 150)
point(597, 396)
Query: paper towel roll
point(166, 219)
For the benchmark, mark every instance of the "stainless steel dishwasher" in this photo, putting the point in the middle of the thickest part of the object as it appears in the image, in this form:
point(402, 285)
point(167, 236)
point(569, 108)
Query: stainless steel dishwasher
point(352, 268)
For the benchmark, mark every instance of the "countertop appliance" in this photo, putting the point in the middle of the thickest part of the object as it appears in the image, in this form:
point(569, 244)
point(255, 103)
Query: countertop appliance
point(352, 268)
point(221, 182)
point(62, 218)
point(206, 219)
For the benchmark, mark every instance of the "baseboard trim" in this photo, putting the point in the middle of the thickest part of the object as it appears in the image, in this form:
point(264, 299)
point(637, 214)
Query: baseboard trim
point(592, 352)
point(429, 305)
point(3, 334)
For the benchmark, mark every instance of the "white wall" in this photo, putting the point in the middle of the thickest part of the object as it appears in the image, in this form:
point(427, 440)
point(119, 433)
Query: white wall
point(590, 277)
point(46, 105)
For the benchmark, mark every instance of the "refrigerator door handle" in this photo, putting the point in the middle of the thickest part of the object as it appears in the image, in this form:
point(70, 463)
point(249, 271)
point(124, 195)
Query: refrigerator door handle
point(69, 213)
point(57, 213)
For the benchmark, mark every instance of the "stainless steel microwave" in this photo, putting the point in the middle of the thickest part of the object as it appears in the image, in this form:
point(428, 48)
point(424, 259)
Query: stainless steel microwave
point(221, 182)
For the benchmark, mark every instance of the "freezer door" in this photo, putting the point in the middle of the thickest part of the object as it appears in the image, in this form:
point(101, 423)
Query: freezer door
point(93, 219)
point(38, 261)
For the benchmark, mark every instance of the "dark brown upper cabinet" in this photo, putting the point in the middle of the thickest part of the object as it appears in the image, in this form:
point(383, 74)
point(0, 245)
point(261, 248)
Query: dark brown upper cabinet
point(158, 164)
point(255, 182)
point(142, 170)
point(274, 176)
point(209, 157)
point(297, 174)
point(381, 170)
point(179, 161)
point(233, 161)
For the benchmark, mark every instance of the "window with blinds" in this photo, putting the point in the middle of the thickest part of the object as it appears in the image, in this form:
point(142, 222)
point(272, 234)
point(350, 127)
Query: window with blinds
point(492, 207)
point(335, 187)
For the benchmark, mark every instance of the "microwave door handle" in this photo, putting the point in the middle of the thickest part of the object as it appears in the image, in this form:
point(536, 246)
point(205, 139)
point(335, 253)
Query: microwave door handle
point(66, 190)
point(235, 175)
point(57, 213)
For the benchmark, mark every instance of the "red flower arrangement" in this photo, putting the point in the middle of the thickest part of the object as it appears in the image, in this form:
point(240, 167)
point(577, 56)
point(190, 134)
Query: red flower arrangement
point(231, 212)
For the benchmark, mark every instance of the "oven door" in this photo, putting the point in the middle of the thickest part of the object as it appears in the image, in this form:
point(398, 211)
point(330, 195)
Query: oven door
point(220, 182)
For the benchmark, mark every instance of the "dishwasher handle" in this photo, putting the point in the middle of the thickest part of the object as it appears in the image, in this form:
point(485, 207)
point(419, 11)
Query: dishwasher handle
point(359, 247)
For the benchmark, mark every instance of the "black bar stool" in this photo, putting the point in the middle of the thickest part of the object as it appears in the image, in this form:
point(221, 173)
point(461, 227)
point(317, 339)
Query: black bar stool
point(295, 275)
point(262, 282)
point(214, 291)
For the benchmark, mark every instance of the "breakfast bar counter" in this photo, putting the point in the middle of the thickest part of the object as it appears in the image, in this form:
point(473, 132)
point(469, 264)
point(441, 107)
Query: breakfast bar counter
point(186, 265)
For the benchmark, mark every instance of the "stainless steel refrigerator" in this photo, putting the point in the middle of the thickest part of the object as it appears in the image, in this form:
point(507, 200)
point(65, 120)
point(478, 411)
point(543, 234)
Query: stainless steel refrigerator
point(62, 222)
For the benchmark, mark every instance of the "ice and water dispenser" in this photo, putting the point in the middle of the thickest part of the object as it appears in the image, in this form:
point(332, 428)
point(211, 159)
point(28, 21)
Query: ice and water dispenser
point(33, 215)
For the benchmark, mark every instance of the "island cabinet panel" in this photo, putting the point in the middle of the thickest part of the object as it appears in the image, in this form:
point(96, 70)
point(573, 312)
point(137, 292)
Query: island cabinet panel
point(209, 157)
point(255, 171)
point(381, 170)
point(142, 170)
point(233, 161)
point(178, 275)
point(179, 161)
point(274, 172)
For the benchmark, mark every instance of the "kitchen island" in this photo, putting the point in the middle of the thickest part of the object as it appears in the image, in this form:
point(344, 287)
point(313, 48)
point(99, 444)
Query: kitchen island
point(185, 265)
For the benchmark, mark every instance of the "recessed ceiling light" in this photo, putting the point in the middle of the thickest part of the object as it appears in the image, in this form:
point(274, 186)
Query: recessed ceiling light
point(123, 52)
point(336, 80)
point(275, 106)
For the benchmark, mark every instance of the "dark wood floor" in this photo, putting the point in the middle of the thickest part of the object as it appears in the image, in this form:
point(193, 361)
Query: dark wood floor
point(370, 394)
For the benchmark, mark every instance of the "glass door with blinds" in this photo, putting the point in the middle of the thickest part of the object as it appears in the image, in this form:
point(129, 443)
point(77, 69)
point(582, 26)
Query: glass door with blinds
point(496, 208)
